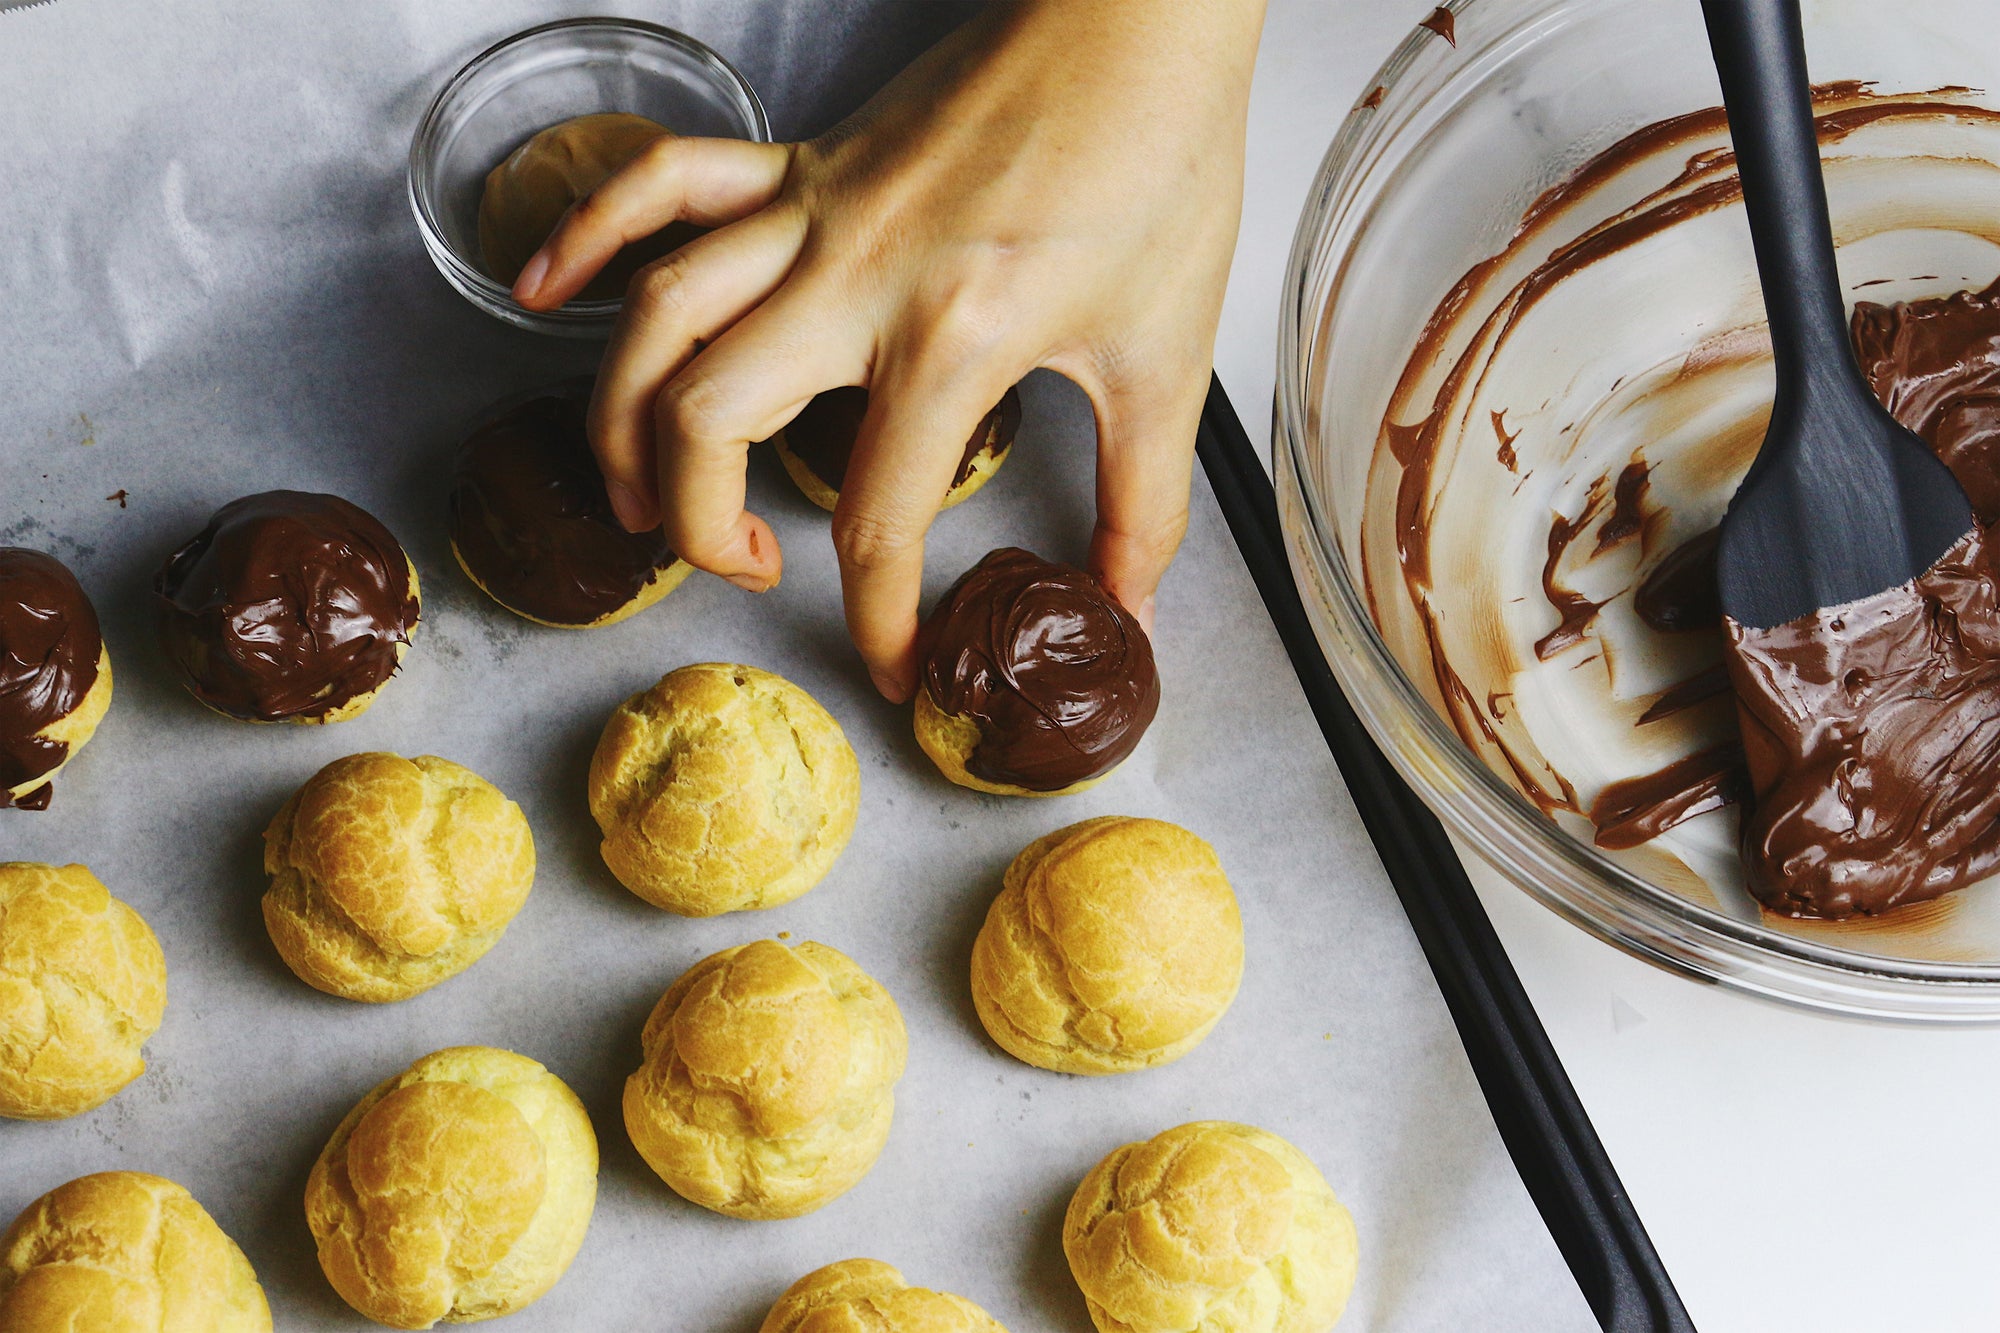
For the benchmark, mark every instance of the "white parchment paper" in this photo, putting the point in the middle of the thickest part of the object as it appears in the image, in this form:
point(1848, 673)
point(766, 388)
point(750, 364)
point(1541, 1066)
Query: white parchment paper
point(210, 285)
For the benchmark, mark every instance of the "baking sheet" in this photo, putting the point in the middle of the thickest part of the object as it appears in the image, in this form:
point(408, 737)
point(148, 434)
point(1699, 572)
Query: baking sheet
point(211, 285)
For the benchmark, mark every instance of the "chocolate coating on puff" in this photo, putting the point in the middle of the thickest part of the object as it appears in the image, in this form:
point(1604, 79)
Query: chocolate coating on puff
point(530, 518)
point(822, 435)
point(287, 605)
point(49, 650)
point(1059, 676)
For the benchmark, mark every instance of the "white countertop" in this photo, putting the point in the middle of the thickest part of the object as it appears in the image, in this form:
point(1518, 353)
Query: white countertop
point(1796, 1172)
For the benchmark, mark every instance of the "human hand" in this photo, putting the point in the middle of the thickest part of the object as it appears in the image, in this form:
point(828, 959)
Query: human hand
point(1056, 184)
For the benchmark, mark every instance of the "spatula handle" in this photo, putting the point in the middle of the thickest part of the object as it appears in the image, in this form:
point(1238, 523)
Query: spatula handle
point(1760, 54)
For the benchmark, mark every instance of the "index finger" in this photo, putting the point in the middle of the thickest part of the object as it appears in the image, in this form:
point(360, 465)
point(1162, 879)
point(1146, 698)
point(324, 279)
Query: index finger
point(920, 413)
point(741, 389)
point(708, 182)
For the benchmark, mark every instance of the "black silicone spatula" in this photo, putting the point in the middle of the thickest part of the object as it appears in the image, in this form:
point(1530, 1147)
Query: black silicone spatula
point(1842, 502)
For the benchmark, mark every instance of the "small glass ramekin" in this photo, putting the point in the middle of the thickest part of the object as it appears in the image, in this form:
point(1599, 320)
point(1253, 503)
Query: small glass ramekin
point(1432, 172)
point(534, 79)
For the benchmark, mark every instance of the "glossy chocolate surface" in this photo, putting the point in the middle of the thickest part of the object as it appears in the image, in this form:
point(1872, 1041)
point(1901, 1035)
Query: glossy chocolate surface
point(1059, 676)
point(287, 605)
point(822, 435)
point(530, 519)
point(49, 651)
point(1872, 730)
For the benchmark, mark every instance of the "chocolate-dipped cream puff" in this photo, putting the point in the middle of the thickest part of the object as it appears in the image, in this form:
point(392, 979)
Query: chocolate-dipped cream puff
point(531, 524)
point(1034, 681)
point(816, 445)
point(55, 675)
point(288, 607)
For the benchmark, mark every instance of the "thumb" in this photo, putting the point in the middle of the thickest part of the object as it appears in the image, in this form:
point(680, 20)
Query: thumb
point(1145, 467)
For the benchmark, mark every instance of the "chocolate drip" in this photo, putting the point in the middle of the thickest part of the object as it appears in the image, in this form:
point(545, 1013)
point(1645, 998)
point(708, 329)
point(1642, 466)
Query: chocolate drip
point(1628, 508)
point(530, 518)
point(49, 651)
point(822, 435)
point(1505, 453)
point(287, 605)
point(1710, 682)
point(1059, 676)
point(1637, 810)
point(1576, 610)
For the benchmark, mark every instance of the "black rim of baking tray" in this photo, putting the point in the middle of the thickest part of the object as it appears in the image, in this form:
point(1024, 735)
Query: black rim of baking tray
point(1543, 1124)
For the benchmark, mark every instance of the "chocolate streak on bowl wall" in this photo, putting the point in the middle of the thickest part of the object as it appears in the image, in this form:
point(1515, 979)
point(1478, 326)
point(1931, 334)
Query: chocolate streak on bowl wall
point(530, 518)
point(822, 435)
point(1678, 594)
point(49, 649)
point(1058, 675)
point(287, 605)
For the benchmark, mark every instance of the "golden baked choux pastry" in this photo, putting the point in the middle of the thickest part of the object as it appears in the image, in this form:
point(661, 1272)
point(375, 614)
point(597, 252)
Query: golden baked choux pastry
point(722, 788)
point(1115, 944)
point(1210, 1228)
point(55, 674)
point(458, 1190)
point(82, 986)
point(816, 445)
point(528, 193)
point(769, 1079)
point(868, 1296)
point(125, 1252)
point(389, 875)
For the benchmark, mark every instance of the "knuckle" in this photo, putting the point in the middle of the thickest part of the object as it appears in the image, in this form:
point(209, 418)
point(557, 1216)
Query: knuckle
point(965, 322)
point(662, 291)
point(694, 409)
point(1154, 545)
point(868, 541)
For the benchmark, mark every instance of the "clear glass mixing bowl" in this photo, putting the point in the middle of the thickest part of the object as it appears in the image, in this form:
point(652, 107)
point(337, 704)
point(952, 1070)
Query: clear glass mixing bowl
point(1433, 172)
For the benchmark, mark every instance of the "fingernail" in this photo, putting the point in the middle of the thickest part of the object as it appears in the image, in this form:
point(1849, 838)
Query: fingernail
point(748, 582)
point(1144, 615)
point(627, 505)
point(531, 277)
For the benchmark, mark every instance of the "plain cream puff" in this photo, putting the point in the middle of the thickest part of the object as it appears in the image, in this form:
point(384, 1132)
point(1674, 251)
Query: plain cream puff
point(769, 1079)
point(1213, 1227)
point(1115, 945)
point(389, 875)
point(722, 788)
point(125, 1252)
point(868, 1296)
point(458, 1190)
point(83, 985)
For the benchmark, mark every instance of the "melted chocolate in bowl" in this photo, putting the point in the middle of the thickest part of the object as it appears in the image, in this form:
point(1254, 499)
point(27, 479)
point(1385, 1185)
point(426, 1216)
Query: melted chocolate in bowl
point(1536, 540)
